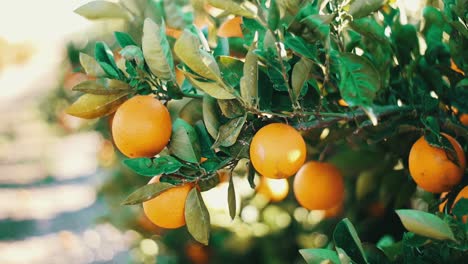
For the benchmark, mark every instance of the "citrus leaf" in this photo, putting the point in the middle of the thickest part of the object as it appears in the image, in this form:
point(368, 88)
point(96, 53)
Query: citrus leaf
point(197, 217)
point(425, 224)
point(318, 255)
point(232, 198)
point(184, 142)
point(105, 58)
point(360, 80)
point(156, 50)
point(300, 46)
point(229, 132)
point(132, 52)
point(92, 87)
point(146, 193)
point(102, 9)
point(124, 39)
point(231, 108)
point(91, 106)
point(251, 175)
point(205, 141)
point(187, 48)
point(173, 14)
point(362, 8)
point(192, 111)
point(300, 75)
point(231, 69)
point(249, 82)
point(235, 8)
point(153, 167)
point(211, 88)
point(345, 237)
point(273, 15)
point(460, 209)
point(91, 66)
point(211, 115)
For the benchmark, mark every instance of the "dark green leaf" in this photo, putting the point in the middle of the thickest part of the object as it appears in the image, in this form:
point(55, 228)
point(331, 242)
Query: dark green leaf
point(105, 58)
point(211, 115)
point(146, 193)
point(124, 39)
point(374, 254)
point(205, 140)
point(425, 224)
point(273, 15)
point(232, 198)
point(153, 167)
point(460, 209)
point(197, 217)
point(359, 80)
point(300, 46)
point(231, 70)
point(345, 237)
point(319, 255)
point(229, 132)
point(251, 175)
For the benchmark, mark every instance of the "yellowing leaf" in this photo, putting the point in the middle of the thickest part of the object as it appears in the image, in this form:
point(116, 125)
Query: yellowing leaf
point(91, 66)
point(187, 48)
point(157, 51)
point(300, 74)
point(249, 82)
point(91, 106)
point(197, 217)
point(244, 9)
point(92, 87)
point(425, 224)
point(211, 88)
point(102, 9)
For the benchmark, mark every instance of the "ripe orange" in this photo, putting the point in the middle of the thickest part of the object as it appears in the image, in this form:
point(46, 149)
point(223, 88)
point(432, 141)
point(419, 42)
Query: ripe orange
point(141, 127)
point(431, 168)
point(231, 28)
point(463, 119)
point(462, 194)
point(168, 208)
point(318, 186)
point(274, 190)
point(277, 151)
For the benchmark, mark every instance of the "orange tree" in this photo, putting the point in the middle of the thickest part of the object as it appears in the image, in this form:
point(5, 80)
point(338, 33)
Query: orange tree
point(336, 91)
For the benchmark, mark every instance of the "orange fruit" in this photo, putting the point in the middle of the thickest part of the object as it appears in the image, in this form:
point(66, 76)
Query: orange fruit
point(442, 205)
point(318, 186)
point(342, 102)
point(274, 190)
point(167, 210)
point(141, 127)
point(462, 194)
point(455, 68)
point(231, 28)
point(180, 77)
point(463, 119)
point(431, 168)
point(174, 33)
point(277, 151)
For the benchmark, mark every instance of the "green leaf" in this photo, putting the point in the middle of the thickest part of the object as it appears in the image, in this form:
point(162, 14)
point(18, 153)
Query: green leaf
point(460, 209)
point(273, 15)
point(231, 108)
point(374, 254)
point(157, 51)
point(197, 217)
point(300, 75)
point(360, 80)
point(105, 58)
point(102, 9)
point(362, 8)
point(300, 46)
point(211, 115)
point(124, 39)
point(146, 193)
point(131, 52)
point(184, 142)
point(425, 224)
point(153, 167)
point(251, 175)
point(205, 141)
point(211, 88)
point(318, 26)
point(249, 82)
point(192, 111)
point(91, 66)
point(187, 48)
point(319, 255)
point(232, 198)
point(231, 69)
point(240, 9)
point(91, 106)
point(345, 237)
point(173, 14)
point(92, 87)
point(229, 132)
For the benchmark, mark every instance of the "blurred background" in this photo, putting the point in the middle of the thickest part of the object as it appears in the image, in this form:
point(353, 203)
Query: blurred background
point(61, 182)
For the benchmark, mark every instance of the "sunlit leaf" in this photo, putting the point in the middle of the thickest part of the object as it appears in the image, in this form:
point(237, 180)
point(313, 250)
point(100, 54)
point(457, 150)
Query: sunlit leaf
point(346, 238)
point(102, 9)
point(153, 167)
point(244, 9)
point(157, 51)
point(173, 14)
point(249, 82)
point(231, 69)
point(91, 66)
point(300, 75)
point(91, 106)
point(362, 8)
point(211, 115)
point(319, 255)
point(92, 87)
point(187, 48)
point(197, 217)
point(212, 88)
point(359, 80)
point(146, 193)
point(425, 224)
point(229, 132)
point(184, 142)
